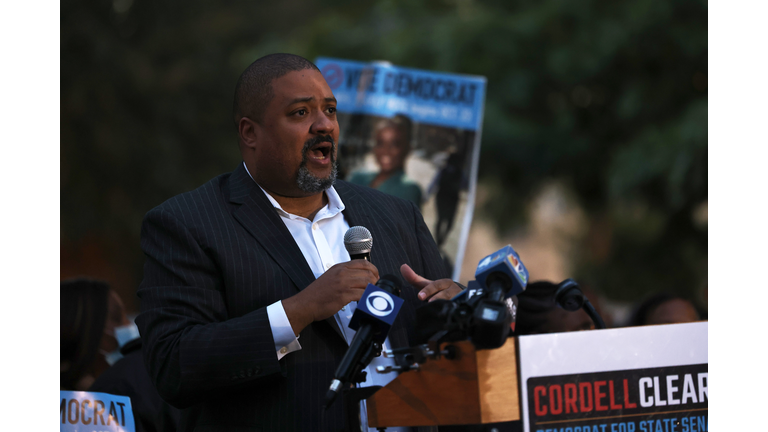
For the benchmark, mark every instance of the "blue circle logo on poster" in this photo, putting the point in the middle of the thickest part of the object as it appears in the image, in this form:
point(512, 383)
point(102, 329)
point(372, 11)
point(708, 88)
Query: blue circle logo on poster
point(334, 75)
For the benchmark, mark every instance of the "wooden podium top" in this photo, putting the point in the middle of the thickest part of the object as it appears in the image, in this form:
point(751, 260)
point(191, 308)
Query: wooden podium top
point(473, 388)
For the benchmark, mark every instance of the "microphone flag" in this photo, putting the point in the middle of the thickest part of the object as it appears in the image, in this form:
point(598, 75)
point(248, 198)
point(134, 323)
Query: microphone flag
point(379, 308)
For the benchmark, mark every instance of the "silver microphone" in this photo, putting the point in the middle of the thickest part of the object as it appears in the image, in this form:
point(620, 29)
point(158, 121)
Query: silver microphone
point(358, 241)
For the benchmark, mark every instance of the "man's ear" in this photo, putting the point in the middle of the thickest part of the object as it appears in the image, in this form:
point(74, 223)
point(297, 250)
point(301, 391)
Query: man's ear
point(249, 132)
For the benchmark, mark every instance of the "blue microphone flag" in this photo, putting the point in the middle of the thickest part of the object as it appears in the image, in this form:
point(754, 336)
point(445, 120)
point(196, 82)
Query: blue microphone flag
point(377, 307)
point(505, 261)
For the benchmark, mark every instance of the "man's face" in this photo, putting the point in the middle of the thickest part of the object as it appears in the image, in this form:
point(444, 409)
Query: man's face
point(296, 139)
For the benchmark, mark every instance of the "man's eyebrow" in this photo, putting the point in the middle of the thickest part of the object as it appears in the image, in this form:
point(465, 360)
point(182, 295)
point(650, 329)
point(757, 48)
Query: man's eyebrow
point(310, 99)
point(304, 99)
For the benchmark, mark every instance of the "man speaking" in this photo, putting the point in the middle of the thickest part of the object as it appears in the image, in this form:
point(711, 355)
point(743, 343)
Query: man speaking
point(247, 282)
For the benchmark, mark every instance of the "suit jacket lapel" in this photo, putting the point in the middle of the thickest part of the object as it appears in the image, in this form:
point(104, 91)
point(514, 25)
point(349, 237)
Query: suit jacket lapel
point(260, 219)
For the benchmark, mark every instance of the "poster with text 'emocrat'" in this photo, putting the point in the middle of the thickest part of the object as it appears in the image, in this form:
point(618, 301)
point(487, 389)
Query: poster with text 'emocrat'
point(414, 134)
point(83, 411)
point(636, 379)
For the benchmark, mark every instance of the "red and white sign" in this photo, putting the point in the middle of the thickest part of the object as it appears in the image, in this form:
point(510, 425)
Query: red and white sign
point(637, 379)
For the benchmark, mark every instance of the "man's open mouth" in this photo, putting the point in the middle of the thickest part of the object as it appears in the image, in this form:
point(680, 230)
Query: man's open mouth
point(320, 151)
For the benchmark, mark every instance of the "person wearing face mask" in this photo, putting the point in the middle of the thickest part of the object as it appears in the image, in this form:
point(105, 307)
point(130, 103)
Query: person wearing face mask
point(393, 144)
point(129, 377)
point(101, 352)
point(90, 313)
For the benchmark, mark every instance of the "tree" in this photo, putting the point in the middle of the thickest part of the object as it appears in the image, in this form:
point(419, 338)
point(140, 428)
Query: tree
point(610, 98)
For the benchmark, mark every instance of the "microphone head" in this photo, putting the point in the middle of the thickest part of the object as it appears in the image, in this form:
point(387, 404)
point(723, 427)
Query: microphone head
point(569, 295)
point(505, 269)
point(358, 240)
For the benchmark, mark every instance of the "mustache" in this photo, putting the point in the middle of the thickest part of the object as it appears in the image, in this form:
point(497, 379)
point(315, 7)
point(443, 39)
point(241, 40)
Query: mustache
point(317, 140)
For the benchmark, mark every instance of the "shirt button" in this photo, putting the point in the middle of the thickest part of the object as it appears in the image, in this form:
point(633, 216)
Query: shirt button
point(327, 266)
point(314, 226)
point(283, 350)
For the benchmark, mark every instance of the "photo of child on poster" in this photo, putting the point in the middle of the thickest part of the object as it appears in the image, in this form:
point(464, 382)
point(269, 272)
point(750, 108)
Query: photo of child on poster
point(415, 135)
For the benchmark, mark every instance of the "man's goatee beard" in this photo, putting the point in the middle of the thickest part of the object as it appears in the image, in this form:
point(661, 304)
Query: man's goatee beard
point(308, 182)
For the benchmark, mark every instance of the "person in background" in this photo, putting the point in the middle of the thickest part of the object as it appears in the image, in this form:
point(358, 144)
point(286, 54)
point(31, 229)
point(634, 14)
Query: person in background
point(537, 312)
point(664, 309)
point(449, 186)
point(129, 377)
point(393, 144)
point(90, 312)
point(101, 352)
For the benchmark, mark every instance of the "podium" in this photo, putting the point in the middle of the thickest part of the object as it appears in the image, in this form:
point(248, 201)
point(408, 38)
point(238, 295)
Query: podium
point(475, 386)
point(626, 379)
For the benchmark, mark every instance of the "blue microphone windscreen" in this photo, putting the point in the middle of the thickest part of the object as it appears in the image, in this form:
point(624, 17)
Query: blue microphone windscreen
point(505, 261)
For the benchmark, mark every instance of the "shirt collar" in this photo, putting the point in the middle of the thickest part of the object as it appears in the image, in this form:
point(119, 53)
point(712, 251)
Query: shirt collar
point(334, 207)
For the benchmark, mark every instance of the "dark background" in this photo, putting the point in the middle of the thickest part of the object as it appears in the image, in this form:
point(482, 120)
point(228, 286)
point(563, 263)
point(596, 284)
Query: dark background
point(608, 98)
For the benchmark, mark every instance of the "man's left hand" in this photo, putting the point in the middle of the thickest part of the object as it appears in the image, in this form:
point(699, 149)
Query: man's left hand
point(430, 290)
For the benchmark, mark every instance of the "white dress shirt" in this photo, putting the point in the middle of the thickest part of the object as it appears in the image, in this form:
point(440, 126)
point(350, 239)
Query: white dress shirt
point(321, 241)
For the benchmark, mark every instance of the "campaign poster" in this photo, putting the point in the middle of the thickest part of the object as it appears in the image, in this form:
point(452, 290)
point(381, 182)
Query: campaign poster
point(414, 134)
point(83, 411)
point(637, 379)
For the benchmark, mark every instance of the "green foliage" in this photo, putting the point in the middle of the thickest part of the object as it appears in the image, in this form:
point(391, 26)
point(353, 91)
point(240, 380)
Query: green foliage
point(608, 97)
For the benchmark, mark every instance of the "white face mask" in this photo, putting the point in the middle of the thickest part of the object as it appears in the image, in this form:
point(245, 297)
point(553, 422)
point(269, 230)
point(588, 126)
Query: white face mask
point(126, 333)
point(123, 335)
point(111, 357)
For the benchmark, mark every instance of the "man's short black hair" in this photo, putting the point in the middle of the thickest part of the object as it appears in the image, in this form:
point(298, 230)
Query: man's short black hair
point(254, 88)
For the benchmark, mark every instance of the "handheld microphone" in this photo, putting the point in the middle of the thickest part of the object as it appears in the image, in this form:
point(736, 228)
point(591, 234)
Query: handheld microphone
point(375, 313)
point(358, 242)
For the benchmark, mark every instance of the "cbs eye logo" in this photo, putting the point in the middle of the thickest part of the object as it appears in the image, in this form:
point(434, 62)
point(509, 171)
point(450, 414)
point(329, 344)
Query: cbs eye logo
point(380, 303)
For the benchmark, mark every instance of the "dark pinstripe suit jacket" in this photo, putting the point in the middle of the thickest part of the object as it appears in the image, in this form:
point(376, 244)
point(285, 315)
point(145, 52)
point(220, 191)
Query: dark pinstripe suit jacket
point(216, 258)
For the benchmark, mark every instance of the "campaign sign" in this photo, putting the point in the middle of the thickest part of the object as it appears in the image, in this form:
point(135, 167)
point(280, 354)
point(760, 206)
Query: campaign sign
point(639, 379)
point(82, 411)
point(382, 89)
point(414, 134)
